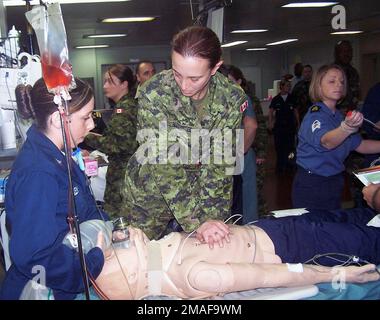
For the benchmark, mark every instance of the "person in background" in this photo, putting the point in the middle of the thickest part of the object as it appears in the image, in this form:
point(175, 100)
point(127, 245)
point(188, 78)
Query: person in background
point(284, 122)
point(36, 201)
point(260, 145)
point(144, 71)
point(343, 57)
point(326, 138)
point(371, 111)
point(287, 77)
point(301, 92)
point(118, 141)
point(247, 186)
point(298, 68)
point(371, 194)
point(191, 98)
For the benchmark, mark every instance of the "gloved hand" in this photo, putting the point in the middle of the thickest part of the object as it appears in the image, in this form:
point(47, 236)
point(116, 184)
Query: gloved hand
point(101, 243)
point(352, 122)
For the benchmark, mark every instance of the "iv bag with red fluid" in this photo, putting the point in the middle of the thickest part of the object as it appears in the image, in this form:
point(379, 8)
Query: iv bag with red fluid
point(56, 72)
point(48, 24)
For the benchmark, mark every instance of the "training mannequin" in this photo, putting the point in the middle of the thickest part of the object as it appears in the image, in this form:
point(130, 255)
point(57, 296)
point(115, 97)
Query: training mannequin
point(182, 266)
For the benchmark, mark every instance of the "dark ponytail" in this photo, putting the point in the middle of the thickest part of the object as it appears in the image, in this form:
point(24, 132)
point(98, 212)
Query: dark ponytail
point(198, 42)
point(38, 103)
point(24, 102)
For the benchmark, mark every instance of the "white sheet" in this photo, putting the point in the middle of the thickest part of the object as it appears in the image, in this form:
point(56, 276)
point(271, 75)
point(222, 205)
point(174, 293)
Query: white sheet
point(289, 212)
point(295, 293)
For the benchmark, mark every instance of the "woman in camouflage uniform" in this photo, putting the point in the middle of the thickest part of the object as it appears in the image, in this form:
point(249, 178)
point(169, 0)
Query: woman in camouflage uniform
point(119, 139)
point(189, 98)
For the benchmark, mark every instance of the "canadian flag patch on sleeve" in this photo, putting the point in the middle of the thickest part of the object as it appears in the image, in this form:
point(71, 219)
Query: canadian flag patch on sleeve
point(244, 106)
point(119, 110)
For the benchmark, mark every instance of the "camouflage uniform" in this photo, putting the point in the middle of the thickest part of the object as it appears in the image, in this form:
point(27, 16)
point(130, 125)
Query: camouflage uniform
point(118, 143)
point(260, 146)
point(191, 193)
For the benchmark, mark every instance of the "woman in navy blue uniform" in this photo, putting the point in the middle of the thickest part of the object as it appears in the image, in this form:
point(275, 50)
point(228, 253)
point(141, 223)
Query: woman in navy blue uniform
point(36, 199)
point(326, 138)
point(283, 120)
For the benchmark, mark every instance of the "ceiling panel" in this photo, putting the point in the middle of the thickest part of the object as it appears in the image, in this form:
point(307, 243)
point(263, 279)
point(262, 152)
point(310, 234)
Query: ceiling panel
point(172, 15)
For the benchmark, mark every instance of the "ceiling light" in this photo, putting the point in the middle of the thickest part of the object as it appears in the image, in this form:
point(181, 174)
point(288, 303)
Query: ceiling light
point(249, 31)
point(231, 44)
point(309, 4)
point(256, 49)
point(11, 3)
point(93, 46)
point(281, 42)
point(346, 32)
point(112, 35)
point(129, 19)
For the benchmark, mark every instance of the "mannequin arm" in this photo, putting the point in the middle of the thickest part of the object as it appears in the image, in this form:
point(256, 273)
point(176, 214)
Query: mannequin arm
point(220, 278)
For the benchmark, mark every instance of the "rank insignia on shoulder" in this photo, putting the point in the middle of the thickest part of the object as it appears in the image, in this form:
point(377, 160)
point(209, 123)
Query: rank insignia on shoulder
point(119, 110)
point(244, 106)
point(315, 125)
point(315, 108)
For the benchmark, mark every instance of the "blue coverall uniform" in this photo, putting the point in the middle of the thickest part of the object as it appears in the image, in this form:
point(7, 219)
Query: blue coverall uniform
point(36, 204)
point(245, 186)
point(319, 180)
point(371, 111)
point(300, 238)
point(284, 130)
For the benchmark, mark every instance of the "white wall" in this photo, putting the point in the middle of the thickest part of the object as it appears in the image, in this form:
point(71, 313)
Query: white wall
point(3, 21)
point(261, 67)
point(87, 62)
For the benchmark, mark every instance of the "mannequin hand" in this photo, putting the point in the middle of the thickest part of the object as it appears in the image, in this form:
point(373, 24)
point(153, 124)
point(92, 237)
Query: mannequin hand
point(361, 274)
point(368, 193)
point(213, 231)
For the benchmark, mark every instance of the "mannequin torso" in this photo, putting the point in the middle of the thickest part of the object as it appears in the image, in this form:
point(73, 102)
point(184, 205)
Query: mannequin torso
point(167, 266)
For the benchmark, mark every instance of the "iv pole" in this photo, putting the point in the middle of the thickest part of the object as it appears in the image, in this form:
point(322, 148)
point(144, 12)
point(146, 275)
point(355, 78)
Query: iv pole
point(72, 216)
point(29, 29)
